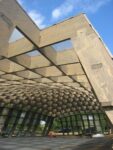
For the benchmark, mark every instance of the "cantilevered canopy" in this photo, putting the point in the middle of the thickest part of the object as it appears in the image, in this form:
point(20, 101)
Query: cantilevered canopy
point(57, 71)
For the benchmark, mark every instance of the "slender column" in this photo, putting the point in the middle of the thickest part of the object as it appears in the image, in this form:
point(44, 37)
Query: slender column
point(16, 122)
point(67, 127)
point(61, 125)
point(82, 123)
point(1, 110)
point(87, 115)
point(46, 126)
point(37, 123)
point(107, 123)
point(8, 118)
point(49, 125)
point(29, 126)
point(23, 122)
point(77, 125)
point(71, 123)
point(94, 121)
point(100, 123)
point(88, 120)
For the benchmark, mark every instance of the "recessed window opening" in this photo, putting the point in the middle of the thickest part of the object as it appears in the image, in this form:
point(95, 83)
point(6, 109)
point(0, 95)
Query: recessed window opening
point(33, 53)
point(16, 35)
point(64, 45)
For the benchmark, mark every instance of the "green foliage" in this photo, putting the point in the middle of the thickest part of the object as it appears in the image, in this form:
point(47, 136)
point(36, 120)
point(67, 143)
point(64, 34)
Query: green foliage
point(56, 125)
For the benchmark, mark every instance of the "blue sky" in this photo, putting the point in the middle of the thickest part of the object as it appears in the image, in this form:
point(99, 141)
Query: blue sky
point(48, 12)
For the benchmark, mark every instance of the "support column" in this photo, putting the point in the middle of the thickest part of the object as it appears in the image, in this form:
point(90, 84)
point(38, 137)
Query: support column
point(46, 125)
point(49, 125)
point(96, 62)
point(94, 121)
point(76, 120)
point(23, 122)
point(37, 123)
point(61, 125)
point(8, 118)
point(1, 119)
point(100, 123)
point(67, 127)
point(71, 123)
point(81, 116)
point(29, 126)
point(16, 122)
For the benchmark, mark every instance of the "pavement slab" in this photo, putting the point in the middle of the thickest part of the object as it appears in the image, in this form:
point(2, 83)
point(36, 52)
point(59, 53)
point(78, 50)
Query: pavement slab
point(58, 143)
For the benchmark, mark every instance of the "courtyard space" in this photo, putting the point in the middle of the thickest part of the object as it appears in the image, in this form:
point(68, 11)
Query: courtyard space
point(58, 143)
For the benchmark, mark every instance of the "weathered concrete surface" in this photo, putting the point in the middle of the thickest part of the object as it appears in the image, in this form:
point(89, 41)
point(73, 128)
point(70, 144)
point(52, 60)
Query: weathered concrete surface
point(59, 143)
point(88, 57)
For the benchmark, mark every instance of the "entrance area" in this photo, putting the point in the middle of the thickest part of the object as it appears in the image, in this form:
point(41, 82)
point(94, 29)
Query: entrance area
point(19, 123)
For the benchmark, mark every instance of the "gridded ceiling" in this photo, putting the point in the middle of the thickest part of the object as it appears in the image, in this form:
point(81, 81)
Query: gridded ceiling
point(50, 79)
point(53, 100)
point(26, 63)
point(39, 66)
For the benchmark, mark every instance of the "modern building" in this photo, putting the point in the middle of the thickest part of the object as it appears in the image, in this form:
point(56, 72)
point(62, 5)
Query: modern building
point(61, 75)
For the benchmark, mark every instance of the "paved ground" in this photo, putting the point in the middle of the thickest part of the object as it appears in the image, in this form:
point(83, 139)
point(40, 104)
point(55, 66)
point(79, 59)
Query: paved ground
point(59, 143)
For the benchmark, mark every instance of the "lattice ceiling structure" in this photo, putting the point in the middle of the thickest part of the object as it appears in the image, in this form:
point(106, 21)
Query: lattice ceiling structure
point(59, 70)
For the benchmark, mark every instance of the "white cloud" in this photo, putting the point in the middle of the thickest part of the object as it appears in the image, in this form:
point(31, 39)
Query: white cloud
point(92, 5)
point(37, 18)
point(63, 9)
point(78, 5)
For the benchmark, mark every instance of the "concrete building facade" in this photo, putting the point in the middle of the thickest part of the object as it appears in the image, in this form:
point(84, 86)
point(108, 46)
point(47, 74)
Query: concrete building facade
point(62, 73)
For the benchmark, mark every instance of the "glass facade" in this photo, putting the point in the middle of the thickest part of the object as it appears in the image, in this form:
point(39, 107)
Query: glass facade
point(17, 122)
